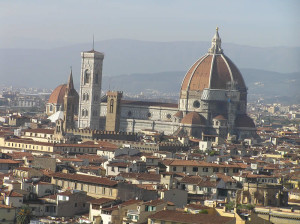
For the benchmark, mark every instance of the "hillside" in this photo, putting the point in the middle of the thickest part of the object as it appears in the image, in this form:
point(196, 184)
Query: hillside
point(48, 68)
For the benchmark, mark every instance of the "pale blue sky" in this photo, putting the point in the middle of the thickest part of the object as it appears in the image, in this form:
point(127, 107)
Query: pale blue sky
point(37, 23)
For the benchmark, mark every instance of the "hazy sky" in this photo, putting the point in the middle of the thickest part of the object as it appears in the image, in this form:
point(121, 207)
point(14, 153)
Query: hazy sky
point(33, 23)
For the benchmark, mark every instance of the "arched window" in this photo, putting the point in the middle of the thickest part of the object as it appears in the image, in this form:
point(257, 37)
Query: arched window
point(82, 113)
point(51, 108)
point(86, 77)
point(111, 106)
point(83, 96)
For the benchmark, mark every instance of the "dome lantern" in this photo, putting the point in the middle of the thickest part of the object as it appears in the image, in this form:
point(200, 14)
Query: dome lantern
point(216, 44)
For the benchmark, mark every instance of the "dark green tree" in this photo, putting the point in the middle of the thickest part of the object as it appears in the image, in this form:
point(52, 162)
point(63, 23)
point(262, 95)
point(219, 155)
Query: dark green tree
point(24, 215)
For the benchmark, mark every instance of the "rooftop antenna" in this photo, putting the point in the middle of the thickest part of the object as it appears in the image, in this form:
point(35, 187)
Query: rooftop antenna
point(93, 42)
point(109, 83)
point(71, 69)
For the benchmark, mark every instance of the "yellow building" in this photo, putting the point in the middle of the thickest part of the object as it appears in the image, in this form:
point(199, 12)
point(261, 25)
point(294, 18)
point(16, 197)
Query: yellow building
point(7, 214)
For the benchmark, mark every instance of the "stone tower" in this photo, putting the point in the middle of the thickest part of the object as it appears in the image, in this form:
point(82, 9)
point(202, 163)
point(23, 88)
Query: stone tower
point(70, 104)
point(113, 111)
point(90, 89)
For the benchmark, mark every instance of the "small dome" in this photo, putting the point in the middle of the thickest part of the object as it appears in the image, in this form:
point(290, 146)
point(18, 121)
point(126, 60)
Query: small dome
point(220, 118)
point(178, 114)
point(193, 118)
point(243, 120)
point(57, 96)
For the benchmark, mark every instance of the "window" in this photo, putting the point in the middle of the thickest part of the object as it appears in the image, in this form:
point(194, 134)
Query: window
point(149, 115)
point(194, 187)
point(235, 170)
point(86, 77)
point(216, 169)
point(103, 190)
point(75, 205)
point(205, 169)
point(129, 114)
point(184, 169)
point(196, 104)
point(82, 113)
point(111, 106)
point(174, 168)
point(83, 205)
point(195, 169)
point(169, 116)
point(51, 108)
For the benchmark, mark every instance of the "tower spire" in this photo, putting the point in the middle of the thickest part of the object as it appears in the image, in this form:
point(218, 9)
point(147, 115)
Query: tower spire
point(70, 81)
point(216, 44)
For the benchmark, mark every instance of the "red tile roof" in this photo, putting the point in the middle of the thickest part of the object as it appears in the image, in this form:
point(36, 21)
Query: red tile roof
point(193, 118)
point(178, 216)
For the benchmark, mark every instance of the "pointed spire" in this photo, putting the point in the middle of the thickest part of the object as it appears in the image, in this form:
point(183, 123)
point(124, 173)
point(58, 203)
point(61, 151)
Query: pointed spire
point(70, 82)
point(216, 44)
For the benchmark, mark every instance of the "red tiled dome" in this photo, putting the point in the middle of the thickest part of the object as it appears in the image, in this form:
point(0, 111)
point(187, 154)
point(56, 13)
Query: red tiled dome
point(193, 118)
point(214, 70)
point(57, 96)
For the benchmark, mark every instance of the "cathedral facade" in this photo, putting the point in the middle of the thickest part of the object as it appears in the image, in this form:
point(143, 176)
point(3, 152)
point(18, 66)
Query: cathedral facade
point(212, 103)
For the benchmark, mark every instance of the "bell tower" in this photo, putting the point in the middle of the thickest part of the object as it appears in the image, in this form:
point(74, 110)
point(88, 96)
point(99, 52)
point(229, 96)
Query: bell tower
point(113, 111)
point(70, 104)
point(90, 89)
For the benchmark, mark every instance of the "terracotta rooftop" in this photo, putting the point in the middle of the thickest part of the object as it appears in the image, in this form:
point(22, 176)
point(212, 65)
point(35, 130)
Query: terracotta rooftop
point(182, 217)
point(193, 118)
point(8, 161)
point(179, 114)
point(40, 130)
point(220, 117)
point(101, 201)
point(154, 202)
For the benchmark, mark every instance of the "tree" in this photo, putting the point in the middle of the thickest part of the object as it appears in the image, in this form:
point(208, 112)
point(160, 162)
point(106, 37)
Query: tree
point(24, 215)
point(229, 206)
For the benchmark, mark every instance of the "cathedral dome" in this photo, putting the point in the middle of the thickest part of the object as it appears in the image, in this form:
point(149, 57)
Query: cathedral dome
point(214, 71)
point(193, 118)
point(57, 96)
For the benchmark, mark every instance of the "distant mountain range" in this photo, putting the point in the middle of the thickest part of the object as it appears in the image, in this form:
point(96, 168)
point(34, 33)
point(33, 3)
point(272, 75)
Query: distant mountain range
point(270, 85)
point(133, 65)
